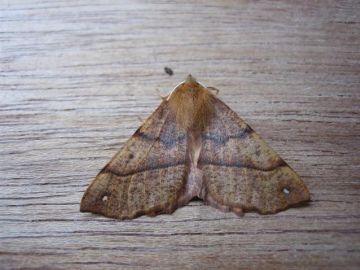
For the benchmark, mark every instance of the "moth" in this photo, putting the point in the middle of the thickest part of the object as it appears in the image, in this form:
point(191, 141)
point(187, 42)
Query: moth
point(193, 145)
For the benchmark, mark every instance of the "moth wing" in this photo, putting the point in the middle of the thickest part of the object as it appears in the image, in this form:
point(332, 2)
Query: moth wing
point(241, 172)
point(146, 176)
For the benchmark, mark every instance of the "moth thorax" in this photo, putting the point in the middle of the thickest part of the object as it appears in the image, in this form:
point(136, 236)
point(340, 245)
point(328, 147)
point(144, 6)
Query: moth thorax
point(192, 105)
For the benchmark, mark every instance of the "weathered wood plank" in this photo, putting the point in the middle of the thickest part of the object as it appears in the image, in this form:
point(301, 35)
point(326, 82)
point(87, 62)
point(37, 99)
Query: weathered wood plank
point(77, 78)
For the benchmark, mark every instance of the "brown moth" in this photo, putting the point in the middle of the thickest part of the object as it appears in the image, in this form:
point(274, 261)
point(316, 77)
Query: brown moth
point(193, 145)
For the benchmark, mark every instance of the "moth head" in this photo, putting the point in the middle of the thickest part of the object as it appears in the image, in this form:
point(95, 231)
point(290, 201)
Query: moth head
point(192, 104)
point(284, 189)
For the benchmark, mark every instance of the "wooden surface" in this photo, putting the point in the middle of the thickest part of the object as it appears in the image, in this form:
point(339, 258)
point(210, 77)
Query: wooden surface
point(78, 77)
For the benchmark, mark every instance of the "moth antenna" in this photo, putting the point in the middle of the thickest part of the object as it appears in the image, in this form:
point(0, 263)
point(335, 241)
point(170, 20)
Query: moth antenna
point(163, 97)
point(172, 91)
point(213, 89)
point(140, 119)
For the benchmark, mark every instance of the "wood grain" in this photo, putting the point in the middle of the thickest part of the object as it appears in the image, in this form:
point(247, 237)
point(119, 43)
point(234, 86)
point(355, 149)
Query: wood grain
point(77, 77)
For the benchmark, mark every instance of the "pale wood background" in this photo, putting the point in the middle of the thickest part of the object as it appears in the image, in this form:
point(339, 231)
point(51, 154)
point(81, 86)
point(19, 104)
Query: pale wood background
point(77, 77)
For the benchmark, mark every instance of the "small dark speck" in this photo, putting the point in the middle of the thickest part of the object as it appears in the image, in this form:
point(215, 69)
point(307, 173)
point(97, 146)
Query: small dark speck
point(168, 71)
